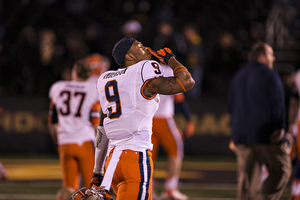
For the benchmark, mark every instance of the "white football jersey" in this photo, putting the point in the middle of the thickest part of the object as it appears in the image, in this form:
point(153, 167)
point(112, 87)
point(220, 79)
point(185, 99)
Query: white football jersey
point(74, 101)
point(166, 105)
point(128, 124)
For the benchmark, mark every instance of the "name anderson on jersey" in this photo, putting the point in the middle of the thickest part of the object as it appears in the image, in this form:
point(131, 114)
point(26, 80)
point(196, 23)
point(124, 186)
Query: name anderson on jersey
point(113, 74)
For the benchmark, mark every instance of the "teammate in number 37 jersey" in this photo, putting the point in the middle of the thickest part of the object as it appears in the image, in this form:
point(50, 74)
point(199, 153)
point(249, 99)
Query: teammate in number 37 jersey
point(74, 110)
point(129, 99)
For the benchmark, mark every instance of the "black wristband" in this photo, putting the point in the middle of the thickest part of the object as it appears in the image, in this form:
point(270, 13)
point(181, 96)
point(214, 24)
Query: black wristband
point(97, 175)
point(168, 56)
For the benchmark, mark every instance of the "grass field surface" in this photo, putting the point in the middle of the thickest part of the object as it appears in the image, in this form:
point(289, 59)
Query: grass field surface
point(38, 177)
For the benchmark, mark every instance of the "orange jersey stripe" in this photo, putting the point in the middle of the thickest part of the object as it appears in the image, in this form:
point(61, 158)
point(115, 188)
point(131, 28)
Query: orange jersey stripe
point(142, 89)
point(94, 119)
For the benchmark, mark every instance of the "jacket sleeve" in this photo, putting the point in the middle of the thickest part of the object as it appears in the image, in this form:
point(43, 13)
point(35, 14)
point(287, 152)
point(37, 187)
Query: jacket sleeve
point(277, 101)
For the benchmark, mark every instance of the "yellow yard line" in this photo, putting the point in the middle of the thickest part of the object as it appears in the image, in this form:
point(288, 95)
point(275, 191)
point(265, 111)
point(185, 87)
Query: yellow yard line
point(33, 172)
point(42, 169)
point(215, 166)
point(183, 174)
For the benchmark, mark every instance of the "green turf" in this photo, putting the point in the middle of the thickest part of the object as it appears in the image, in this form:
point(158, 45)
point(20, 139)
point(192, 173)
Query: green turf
point(46, 189)
point(29, 190)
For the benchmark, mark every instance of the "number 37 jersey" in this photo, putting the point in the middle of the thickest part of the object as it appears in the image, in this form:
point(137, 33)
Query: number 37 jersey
point(128, 124)
point(76, 105)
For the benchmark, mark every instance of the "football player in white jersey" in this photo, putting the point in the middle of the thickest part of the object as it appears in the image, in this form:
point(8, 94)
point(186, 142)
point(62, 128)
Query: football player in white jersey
point(129, 100)
point(167, 134)
point(73, 118)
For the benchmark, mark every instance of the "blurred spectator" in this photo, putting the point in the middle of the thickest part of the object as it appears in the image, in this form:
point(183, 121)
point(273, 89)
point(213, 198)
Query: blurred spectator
point(76, 45)
point(47, 46)
point(28, 51)
point(50, 61)
point(194, 58)
point(257, 32)
point(132, 29)
point(94, 36)
point(222, 62)
point(99, 24)
point(229, 58)
point(168, 37)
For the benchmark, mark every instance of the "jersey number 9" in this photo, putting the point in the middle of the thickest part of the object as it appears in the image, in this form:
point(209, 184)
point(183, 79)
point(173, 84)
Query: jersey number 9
point(112, 96)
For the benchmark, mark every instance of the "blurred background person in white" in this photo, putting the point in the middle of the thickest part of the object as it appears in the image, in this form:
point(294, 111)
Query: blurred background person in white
point(168, 134)
point(73, 117)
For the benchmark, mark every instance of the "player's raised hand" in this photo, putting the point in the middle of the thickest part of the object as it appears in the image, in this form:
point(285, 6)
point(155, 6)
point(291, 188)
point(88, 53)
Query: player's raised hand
point(163, 54)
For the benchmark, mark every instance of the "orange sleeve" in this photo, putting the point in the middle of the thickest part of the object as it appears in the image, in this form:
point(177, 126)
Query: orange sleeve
point(95, 114)
point(179, 97)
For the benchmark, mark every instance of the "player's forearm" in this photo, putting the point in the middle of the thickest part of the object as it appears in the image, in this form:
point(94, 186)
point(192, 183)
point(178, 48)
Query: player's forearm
point(182, 74)
point(173, 63)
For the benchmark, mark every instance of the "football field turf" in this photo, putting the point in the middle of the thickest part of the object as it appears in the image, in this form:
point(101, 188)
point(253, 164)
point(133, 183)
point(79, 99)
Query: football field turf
point(38, 177)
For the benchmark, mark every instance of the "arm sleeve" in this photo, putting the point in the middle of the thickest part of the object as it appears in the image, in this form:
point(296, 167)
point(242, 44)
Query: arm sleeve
point(94, 115)
point(277, 101)
point(101, 144)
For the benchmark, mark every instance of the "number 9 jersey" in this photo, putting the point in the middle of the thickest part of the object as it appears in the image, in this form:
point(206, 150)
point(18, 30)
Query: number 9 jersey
point(129, 111)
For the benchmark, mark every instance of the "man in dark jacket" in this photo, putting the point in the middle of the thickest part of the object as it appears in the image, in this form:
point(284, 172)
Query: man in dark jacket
point(257, 109)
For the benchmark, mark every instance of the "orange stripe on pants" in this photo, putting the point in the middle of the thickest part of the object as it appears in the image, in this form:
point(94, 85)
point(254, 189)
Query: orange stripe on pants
point(76, 160)
point(132, 178)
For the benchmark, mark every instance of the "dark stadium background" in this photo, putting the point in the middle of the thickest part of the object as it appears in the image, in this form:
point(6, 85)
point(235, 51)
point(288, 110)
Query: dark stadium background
point(25, 80)
point(81, 27)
